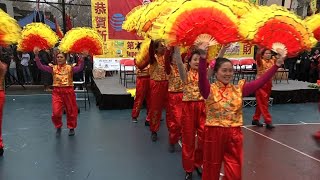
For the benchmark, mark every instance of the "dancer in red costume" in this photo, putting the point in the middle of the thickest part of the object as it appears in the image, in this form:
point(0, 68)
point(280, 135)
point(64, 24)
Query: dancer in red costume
point(316, 136)
point(63, 95)
point(264, 63)
point(158, 85)
point(193, 114)
point(3, 71)
point(174, 110)
point(223, 137)
point(142, 93)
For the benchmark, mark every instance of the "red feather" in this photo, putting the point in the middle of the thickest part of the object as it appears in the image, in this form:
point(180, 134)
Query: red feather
point(277, 31)
point(2, 42)
point(316, 33)
point(32, 41)
point(189, 25)
point(86, 44)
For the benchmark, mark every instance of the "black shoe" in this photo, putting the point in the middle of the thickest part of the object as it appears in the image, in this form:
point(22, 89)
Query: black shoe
point(270, 126)
point(1, 151)
point(188, 176)
point(171, 148)
point(147, 123)
point(72, 132)
point(58, 132)
point(257, 123)
point(134, 120)
point(199, 171)
point(154, 136)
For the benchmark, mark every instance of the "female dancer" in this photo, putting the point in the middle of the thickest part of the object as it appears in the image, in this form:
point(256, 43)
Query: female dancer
point(63, 94)
point(264, 63)
point(193, 114)
point(158, 85)
point(223, 136)
point(3, 71)
point(142, 93)
point(174, 110)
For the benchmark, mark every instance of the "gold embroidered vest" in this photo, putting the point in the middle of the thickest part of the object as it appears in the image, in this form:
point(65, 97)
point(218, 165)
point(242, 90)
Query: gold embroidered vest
point(191, 91)
point(264, 66)
point(224, 105)
point(175, 82)
point(62, 75)
point(157, 69)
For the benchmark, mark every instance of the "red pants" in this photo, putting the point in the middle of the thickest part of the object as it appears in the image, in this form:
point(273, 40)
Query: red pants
point(142, 92)
point(317, 135)
point(2, 99)
point(262, 97)
point(159, 96)
point(64, 97)
point(173, 116)
point(192, 123)
point(222, 144)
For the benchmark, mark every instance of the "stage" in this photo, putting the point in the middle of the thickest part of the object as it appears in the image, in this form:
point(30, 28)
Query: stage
point(110, 94)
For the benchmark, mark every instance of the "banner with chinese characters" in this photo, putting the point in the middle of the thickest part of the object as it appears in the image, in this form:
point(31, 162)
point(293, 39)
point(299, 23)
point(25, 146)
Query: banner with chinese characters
point(240, 50)
point(107, 19)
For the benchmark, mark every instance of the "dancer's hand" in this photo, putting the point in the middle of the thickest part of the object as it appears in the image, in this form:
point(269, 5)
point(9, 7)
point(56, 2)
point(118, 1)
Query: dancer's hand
point(3, 68)
point(281, 57)
point(36, 51)
point(85, 53)
point(203, 47)
point(50, 64)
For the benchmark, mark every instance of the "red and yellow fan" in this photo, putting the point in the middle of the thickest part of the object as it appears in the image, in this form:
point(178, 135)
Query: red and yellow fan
point(275, 27)
point(37, 35)
point(238, 7)
point(142, 58)
point(313, 24)
point(79, 40)
point(130, 24)
point(10, 31)
point(151, 12)
point(197, 19)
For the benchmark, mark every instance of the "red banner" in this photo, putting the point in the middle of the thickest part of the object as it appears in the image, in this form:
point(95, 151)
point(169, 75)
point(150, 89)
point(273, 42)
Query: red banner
point(117, 11)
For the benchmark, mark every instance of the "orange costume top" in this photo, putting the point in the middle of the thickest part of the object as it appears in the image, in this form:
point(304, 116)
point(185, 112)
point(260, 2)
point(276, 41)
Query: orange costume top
point(224, 105)
point(143, 72)
point(62, 75)
point(175, 82)
point(157, 69)
point(191, 91)
point(264, 65)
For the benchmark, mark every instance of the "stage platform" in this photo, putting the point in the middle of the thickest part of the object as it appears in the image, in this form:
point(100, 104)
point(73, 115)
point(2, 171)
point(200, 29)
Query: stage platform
point(293, 92)
point(110, 94)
